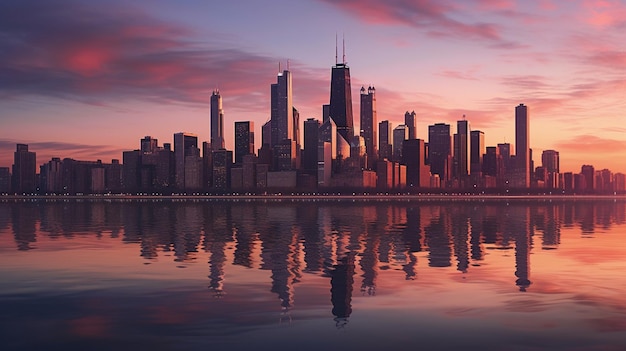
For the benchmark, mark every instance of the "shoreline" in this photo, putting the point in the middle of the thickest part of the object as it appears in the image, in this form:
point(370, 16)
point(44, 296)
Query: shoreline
point(320, 197)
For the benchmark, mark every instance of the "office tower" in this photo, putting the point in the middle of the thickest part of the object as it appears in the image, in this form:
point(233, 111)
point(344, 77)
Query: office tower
point(588, 173)
point(113, 175)
point(282, 109)
point(324, 162)
point(296, 138)
point(413, 156)
point(207, 166)
point(186, 145)
point(244, 140)
point(131, 170)
point(462, 151)
point(492, 162)
point(311, 140)
point(217, 121)
point(266, 133)
point(477, 150)
point(400, 134)
point(24, 170)
point(385, 140)
point(439, 150)
point(149, 144)
point(51, 175)
point(340, 108)
point(328, 133)
point(5, 180)
point(410, 121)
point(369, 122)
point(550, 162)
point(222, 162)
point(522, 146)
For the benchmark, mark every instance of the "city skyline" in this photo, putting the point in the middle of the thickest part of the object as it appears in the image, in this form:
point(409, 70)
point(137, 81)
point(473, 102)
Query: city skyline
point(139, 71)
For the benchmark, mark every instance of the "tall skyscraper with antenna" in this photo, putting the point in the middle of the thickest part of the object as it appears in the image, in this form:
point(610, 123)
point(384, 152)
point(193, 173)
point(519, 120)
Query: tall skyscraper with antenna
point(217, 121)
point(341, 97)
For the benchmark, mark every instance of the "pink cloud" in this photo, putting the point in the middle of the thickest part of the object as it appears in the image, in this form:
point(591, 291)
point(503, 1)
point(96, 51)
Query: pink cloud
point(435, 18)
point(591, 144)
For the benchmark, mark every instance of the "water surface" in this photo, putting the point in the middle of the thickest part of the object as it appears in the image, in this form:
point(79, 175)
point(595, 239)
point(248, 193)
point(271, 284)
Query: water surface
point(311, 275)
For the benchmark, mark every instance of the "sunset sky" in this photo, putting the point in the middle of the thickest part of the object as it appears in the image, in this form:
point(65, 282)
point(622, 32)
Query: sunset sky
point(89, 79)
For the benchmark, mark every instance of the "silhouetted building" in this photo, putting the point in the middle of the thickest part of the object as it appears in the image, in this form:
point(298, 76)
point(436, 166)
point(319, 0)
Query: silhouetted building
point(5, 180)
point(522, 146)
point(282, 109)
point(385, 140)
point(186, 150)
point(217, 121)
point(439, 150)
point(24, 173)
point(311, 140)
point(340, 108)
point(588, 173)
point(413, 156)
point(244, 140)
point(410, 121)
point(131, 170)
point(222, 163)
point(477, 150)
point(400, 134)
point(369, 122)
point(207, 166)
point(550, 162)
point(462, 152)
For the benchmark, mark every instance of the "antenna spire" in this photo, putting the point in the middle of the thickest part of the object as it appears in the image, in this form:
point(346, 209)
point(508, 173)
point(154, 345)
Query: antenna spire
point(344, 48)
point(336, 51)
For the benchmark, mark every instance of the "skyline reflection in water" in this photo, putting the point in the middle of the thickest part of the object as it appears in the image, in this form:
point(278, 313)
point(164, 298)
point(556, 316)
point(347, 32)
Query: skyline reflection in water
point(190, 274)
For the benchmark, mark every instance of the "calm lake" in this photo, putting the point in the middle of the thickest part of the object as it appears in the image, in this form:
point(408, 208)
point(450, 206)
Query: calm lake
point(313, 275)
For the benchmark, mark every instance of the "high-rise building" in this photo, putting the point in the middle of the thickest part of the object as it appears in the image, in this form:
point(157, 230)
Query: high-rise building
point(550, 162)
point(588, 173)
point(282, 109)
point(369, 122)
point(185, 145)
point(217, 121)
point(522, 146)
point(5, 180)
point(340, 108)
point(462, 151)
point(439, 150)
point(311, 140)
point(24, 170)
point(477, 150)
point(400, 134)
point(244, 140)
point(410, 121)
point(222, 163)
point(385, 140)
point(413, 156)
point(492, 162)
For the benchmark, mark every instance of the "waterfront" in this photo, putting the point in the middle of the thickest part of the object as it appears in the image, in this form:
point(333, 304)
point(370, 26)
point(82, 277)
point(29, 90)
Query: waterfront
point(186, 275)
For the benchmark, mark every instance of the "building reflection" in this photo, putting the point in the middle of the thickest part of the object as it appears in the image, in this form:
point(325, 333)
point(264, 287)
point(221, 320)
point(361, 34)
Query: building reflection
point(334, 240)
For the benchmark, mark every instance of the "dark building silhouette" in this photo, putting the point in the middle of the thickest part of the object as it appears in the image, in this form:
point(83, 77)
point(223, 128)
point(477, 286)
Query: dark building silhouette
point(461, 154)
point(414, 157)
point(217, 121)
point(24, 175)
point(5, 180)
point(369, 123)
point(244, 140)
point(311, 141)
point(588, 173)
point(222, 163)
point(477, 150)
point(522, 147)
point(187, 156)
point(439, 150)
point(340, 108)
point(385, 140)
point(410, 121)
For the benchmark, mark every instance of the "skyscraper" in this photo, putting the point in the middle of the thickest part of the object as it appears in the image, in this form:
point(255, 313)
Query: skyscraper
point(410, 121)
point(462, 150)
point(244, 140)
point(400, 134)
point(282, 109)
point(311, 140)
point(217, 121)
point(522, 146)
point(24, 170)
point(341, 100)
point(385, 140)
point(439, 149)
point(185, 145)
point(369, 122)
point(477, 150)
point(550, 161)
